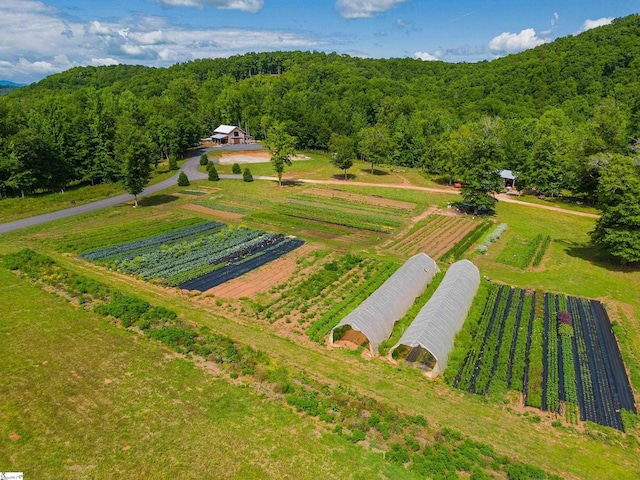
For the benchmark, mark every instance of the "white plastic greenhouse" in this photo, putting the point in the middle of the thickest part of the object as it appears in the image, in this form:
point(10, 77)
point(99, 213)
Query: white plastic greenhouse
point(436, 325)
point(376, 315)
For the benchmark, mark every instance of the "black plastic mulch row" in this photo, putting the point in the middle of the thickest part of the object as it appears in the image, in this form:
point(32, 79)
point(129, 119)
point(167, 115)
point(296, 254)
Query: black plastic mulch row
point(583, 372)
point(229, 272)
point(607, 404)
point(617, 372)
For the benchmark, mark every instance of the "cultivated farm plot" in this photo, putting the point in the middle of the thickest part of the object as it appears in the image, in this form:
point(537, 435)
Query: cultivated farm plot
point(318, 301)
point(199, 257)
point(558, 351)
point(435, 236)
point(358, 198)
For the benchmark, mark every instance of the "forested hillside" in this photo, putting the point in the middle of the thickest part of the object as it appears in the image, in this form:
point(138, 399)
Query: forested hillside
point(557, 114)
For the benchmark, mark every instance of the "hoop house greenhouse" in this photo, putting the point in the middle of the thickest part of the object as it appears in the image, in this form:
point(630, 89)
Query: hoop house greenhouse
point(436, 325)
point(376, 315)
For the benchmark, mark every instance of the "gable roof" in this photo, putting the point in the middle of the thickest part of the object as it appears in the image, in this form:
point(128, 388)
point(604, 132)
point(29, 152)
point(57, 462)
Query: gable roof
point(226, 129)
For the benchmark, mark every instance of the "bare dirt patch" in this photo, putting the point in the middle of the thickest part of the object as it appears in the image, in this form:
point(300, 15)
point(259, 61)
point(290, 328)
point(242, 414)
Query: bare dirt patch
point(263, 278)
point(250, 157)
point(216, 213)
point(352, 339)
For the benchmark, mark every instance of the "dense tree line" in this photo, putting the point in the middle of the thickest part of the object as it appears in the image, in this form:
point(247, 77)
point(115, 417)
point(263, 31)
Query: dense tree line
point(557, 114)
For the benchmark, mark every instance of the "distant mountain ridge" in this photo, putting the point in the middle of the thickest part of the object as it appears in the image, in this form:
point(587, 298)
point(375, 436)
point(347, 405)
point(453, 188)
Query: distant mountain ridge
point(7, 83)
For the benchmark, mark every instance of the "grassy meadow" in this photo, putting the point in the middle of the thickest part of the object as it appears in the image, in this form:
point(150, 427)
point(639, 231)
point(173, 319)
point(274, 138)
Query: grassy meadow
point(88, 399)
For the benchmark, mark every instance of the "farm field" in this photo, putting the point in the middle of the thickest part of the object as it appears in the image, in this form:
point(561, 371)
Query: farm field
point(198, 257)
point(437, 235)
point(84, 399)
point(552, 348)
point(351, 270)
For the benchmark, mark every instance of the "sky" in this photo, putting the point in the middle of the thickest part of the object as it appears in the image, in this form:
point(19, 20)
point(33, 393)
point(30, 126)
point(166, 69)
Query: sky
point(42, 37)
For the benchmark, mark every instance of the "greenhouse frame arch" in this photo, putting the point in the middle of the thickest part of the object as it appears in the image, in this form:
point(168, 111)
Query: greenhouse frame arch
point(437, 323)
point(376, 316)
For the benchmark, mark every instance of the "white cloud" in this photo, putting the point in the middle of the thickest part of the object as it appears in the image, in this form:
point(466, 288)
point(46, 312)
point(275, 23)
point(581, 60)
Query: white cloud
point(426, 56)
point(554, 24)
point(251, 6)
point(104, 61)
point(33, 35)
point(589, 24)
point(515, 42)
point(364, 8)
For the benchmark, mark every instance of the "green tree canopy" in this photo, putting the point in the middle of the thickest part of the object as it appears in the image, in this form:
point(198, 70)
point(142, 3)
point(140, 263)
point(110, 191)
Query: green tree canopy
point(281, 145)
point(136, 153)
point(617, 231)
point(342, 151)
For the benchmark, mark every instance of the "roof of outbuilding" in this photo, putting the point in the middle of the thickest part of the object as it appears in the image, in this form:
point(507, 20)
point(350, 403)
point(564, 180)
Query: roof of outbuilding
point(226, 129)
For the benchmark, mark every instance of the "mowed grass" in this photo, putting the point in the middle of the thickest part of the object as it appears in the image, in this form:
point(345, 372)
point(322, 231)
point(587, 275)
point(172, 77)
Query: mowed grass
point(318, 167)
point(568, 267)
point(12, 209)
point(82, 398)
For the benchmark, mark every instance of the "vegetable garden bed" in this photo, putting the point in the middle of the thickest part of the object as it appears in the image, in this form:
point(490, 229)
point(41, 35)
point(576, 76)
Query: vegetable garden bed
point(559, 351)
point(199, 257)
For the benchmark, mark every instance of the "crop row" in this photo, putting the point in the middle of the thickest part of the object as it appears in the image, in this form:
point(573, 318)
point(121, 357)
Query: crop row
point(344, 204)
point(166, 262)
point(469, 239)
point(261, 256)
point(337, 217)
point(326, 322)
point(164, 238)
point(553, 349)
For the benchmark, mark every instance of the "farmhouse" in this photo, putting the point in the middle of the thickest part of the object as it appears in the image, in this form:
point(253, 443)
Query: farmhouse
point(376, 316)
point(230, 134)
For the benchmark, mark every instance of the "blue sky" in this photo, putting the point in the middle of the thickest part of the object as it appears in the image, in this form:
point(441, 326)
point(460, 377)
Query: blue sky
point(41, 37)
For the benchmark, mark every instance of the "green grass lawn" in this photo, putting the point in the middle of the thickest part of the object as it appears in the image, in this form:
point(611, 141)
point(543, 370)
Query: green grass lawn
point(16, 208)
point(84, 399)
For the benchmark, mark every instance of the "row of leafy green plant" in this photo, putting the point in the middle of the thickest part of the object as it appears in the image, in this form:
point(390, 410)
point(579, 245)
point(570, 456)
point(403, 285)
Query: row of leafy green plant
point(456, 252)
point(347, 205)
point(114, 234)
point(522, 253)
point(374, 223)
point(181, 255)
point(528, 343)
point(405, 440)
point(323, 325)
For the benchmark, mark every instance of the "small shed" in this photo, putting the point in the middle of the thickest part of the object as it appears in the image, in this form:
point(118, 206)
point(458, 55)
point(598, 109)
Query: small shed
point(508, 178)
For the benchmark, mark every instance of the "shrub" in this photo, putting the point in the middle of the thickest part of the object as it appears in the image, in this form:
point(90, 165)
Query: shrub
point(173, 162)
point(127, 309)
point(246, 175)
point(397, 454)
point(213, 173)
point(183, 181)
point(204, 160)
point(235, 168)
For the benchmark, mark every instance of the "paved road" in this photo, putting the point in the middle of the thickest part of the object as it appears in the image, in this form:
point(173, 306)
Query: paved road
point(190, 167)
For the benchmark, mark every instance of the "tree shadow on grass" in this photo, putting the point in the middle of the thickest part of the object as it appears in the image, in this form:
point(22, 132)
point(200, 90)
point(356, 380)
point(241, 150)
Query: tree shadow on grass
point(340, 176)
point(376, 172)
point(155, 200)
point(291, 182)
point(591, 254)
